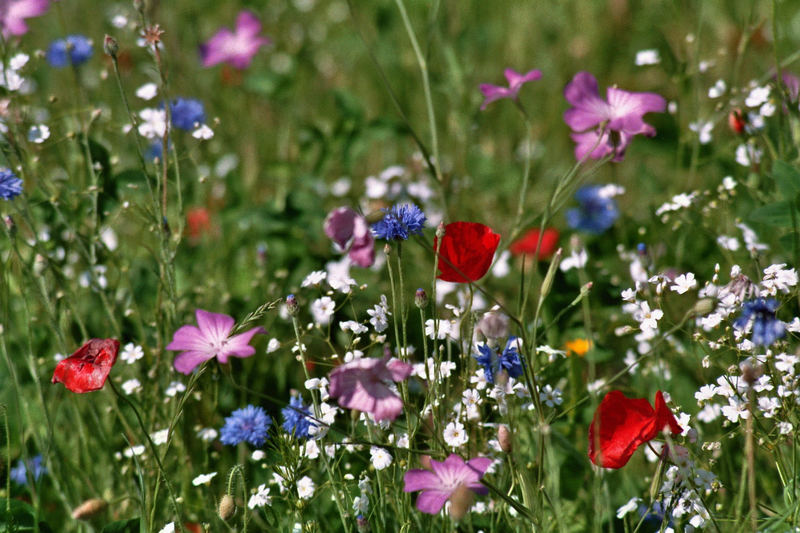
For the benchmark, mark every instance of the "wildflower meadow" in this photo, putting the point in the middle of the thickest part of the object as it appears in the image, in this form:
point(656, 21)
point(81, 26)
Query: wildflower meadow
point(399, 266)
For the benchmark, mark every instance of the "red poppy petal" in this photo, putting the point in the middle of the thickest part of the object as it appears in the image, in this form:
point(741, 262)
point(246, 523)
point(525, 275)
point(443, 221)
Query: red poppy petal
point(87, 369)
point(620, 425)
point(466, 251)
point(527, 244)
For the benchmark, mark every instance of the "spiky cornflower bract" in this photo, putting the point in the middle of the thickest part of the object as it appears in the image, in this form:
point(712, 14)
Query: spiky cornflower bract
point(248, 424)
point(187, 113)
point(766, 327)
point(296, 417)
point(10, 184)
point(399, 223)
point(597, 212)
point(492, 362)
point(74, 49)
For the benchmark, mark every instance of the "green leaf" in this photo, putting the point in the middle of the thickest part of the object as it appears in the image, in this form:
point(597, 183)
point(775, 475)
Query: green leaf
point(123, 526)
point(787, 179)
point(776, 214)
point(18, 516)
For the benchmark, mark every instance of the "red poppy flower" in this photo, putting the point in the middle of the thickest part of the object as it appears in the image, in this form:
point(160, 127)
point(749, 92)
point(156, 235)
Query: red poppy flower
point(87, 369)
point(527, 244)
point(198, 222)
point(622, 424)
point(466, 252)
point(736, 121)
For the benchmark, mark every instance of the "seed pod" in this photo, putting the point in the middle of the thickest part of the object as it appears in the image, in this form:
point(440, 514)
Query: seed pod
point(89, 508)
point(504, 438)
point(227, 507)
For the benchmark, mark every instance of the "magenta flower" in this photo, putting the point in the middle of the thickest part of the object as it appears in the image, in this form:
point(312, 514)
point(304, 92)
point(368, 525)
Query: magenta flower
point(515, 82)
point(360, 384)
point(236, 48)
point(14, 12)
point(439, 483)
point(350, 231)
point(621, 113)
point(211, 339)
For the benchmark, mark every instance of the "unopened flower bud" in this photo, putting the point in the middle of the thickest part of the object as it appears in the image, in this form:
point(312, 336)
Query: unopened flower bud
point(89, 508)
point(440, 230)
point(425, 461)
point(226, 507)
point(421, 298)
point(362, 524)
point(291, 305)
point(750, 373)
point(504, 438)
point(493, 325)
point(110, 46)
point(11, 225)
point(460, 502)
point(703, 307)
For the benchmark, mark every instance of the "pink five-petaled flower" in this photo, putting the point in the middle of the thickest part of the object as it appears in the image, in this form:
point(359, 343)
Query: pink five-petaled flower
point(350, 231)
point(439, 483)
point(360, 384)
point(211, 339)
point(620, 114)
point(236, 48)
point(515, 82)
point(14, 12)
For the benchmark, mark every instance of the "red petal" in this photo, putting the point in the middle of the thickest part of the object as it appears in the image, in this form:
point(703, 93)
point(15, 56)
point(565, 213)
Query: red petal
point(620, 425)
point(527, 244)
point(87, 369)
point(466, 251)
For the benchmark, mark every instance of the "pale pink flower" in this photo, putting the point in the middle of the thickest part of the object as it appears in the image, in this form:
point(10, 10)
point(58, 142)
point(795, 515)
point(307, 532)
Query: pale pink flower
point(211, 339)
point(439, 483)
point(350, 231)
point(515, 83)
point(361, 385)
point(236, 48)
point(14, 12)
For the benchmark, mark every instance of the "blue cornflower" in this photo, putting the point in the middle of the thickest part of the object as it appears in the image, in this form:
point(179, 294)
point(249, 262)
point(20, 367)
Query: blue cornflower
point(766, 327)
point(399, 223)
point(20, 472)
point(653, 518)
point(492, 363)
point(10, 184)
point(295, 417)
point(249, 424)
point(187, 113)
point(75, 49)
point(596, 213)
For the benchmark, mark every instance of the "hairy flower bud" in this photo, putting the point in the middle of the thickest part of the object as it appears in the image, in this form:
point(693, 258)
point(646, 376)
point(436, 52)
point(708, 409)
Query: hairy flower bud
point(291, 305)
point(421, 298)
point(110, 46)
point(504, 438)
point(460, 502)
point(493, 325)
point(227, 507)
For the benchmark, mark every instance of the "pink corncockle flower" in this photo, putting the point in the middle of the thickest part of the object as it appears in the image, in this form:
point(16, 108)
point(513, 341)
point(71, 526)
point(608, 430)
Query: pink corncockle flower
point(350, 231)
point(14, 12)
point(439, 483)
point(515, 82)
point(211, 339)
point(618, 117)
point(360, 384)
point(236, 48)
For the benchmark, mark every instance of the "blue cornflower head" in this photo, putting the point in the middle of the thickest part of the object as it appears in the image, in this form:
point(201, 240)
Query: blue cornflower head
point(295, 418)
point(187, 113)
point(766, 327)
point(399, 223)
point(75, 49)
point(653, 517)
point(597, 212)
point(10, 184)
point(249, 424)
point(492, 362)
point(20, 472)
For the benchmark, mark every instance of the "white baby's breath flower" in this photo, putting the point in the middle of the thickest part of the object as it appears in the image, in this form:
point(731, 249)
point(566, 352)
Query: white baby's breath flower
point(305, 488)
point(273, 345)
point(647, 57)
point(455, 435)
point(203, 132)
point(684, 283)
point(261, 498)
point(174, 388)
point(148, 91)
point(380, 457)
point(203, 479)
point(131, 353)
point(160, 437)
point(132, 385)
point(322, 310)
point(207, 434)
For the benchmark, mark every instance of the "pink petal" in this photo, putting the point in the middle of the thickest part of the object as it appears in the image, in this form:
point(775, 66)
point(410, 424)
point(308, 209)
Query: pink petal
point(420, 479)
point(215, 51)
point(238, 345)
point(215, 326)
point(399, 370)
point(363, 256)
point(188, 338)
point(247, 24)
point(516, 80)
point(494, 92)
point(27, 8)
point(186, 362)
point(588, 109)
point(339, 225)
point(432, 501)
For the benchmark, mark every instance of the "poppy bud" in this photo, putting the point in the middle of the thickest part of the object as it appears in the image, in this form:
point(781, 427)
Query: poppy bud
point(703, 307)
point(425, 461)
point(504, 438)
point(227, 507)
point(110, 46)
point(736, 121)
point(89, 508)
point(421, 298)
point(460, 502)
point(291, 305)
point(493, 325)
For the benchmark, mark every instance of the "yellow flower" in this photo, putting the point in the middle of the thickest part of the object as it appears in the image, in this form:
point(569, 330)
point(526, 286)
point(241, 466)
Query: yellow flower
point(578, 347)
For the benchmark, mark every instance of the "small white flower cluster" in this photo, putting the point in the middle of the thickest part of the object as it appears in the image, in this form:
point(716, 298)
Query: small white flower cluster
point(683, 486)
point(399, 182)
point(11, 79)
